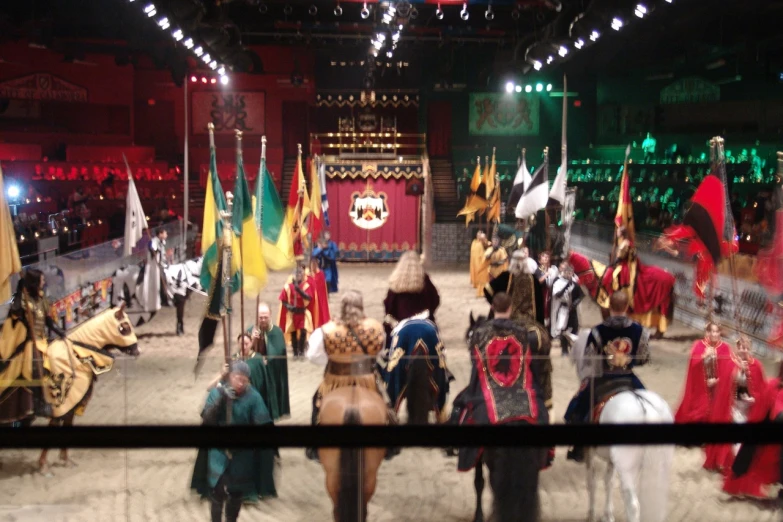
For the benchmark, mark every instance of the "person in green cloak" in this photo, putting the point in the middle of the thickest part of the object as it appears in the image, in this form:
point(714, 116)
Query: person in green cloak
point(228, 476)
point(269, 343)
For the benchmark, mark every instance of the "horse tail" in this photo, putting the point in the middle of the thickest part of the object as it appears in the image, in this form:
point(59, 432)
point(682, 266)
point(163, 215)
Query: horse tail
point(350, 506)
point(656, 463)
point(514, 480)
point(419, 390)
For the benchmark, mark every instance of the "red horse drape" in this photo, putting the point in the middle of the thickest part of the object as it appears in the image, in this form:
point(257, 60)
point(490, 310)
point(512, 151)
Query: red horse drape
point(399, 233)
point(439, 129)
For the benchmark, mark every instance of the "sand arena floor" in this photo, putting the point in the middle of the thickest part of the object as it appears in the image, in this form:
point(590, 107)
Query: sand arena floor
point(419, 485)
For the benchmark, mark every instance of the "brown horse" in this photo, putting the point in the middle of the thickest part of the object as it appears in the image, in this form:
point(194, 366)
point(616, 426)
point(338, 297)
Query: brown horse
point(351, 473)
point(71, 365)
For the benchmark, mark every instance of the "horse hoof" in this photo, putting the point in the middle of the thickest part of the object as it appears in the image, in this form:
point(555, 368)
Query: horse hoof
point(68, 463)
point(45, 471)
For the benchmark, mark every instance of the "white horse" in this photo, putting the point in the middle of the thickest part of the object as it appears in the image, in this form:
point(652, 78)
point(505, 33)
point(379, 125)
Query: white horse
point(181, 278)
point(643, 470)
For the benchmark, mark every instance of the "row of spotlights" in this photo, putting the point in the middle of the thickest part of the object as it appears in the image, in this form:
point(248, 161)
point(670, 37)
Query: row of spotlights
point(203, 79)
point(640, 11)
point(150, 10)
point(539, 87)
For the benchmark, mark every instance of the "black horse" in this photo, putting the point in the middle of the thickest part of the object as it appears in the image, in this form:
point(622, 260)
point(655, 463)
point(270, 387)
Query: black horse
point(513, 472)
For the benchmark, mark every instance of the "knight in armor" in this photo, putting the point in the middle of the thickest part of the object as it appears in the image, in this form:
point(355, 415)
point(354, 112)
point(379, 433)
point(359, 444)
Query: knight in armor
point(154, 292)
point(522, 282)
point(348, 347)
point(180, 291)
point(510, 381)
point(614, 348)
point(28, 324)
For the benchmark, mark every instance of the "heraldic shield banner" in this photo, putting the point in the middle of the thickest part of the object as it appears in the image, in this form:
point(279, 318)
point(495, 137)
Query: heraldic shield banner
point(494, 114)
point(372, 218)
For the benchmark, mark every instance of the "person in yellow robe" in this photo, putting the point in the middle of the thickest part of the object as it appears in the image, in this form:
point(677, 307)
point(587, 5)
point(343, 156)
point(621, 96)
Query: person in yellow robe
point(479, 267)
point(497, 258)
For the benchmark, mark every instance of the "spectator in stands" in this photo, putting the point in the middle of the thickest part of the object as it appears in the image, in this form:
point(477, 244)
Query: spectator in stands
point(648, 147)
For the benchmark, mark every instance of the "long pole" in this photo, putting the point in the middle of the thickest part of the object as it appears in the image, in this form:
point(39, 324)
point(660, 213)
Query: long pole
point(186, 170)
point(241, 250)
point(260, 206)
point(227, 236)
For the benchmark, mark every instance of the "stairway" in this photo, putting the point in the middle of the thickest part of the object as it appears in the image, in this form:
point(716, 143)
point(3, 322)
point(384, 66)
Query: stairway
point(447, 203)
point(287, 178)
point(196, 195)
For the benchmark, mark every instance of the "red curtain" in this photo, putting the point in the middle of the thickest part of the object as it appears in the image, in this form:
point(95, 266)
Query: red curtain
point(399, 233)
point(439, 129)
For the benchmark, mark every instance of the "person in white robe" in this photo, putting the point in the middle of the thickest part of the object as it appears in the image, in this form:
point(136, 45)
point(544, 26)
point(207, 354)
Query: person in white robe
point(566, 295)
point(153, 290)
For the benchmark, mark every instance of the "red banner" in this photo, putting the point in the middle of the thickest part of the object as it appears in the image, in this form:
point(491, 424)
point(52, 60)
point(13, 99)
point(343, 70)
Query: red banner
point(228, 112)
point(372, 219)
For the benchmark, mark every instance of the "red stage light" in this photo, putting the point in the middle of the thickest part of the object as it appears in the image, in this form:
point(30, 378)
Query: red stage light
point(577, 103)
point(203, 79)
point(213, 81)
point(193, 79)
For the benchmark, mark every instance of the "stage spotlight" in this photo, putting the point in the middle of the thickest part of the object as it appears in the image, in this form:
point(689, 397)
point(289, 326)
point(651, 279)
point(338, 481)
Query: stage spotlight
point(213, 65)
point(178, 35)
point(439, 13)
point(550, 59)
point(338, 11)
point(515, 13)
point(193, 79)
point(528, 88)
point(150, 10)
point(518, 88)
point(641, 10)
point(198, 51)
point(263, 8)
point(464, 14)
point(213, 81)
point(509, 87)
point(13, 192)
point(414, 13)
point(164, 23)
point(489, 14)
point(539, 87)
point(206, 58)
point(203, 79)
point(537, 65)
point(313, 10)
point(617, 24)
point(579, 43)
point(222, 70)
point(287, 10)
point(388, 54)
point(365, 11)
point(562, 51)
point(189, 43)
point(595, 35)
point(224, 80)
point(548, 87)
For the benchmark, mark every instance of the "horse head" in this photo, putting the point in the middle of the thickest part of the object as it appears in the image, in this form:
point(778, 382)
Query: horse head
point(109, 329)
point(474, 324)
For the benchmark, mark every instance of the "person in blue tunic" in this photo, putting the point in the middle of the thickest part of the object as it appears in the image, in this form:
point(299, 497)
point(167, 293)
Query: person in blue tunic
point(326, 254)
point(615, 347)
point(226, 476)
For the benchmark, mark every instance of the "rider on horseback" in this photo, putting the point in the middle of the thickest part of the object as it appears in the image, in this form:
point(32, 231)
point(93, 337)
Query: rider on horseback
point(613, 348)
point(348, 347)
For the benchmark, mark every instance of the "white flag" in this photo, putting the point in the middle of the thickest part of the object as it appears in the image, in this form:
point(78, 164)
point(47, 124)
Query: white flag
point(135, 218)
point(559, 186)
point(523, 175)
point(558, 191)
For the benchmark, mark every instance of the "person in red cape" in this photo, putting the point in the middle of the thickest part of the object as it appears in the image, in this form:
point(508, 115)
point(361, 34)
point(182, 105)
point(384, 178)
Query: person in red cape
point(319, 305)
point(703, 374)
point(738, 394)
point(758, 466)
point(295, 318)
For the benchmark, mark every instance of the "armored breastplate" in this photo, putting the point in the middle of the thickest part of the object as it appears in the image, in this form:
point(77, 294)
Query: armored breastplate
point(36, 312)
point(338, 340)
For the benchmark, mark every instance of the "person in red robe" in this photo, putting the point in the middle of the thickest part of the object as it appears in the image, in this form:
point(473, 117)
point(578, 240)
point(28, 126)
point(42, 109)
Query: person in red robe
point(295, 318)
point(738, 394)
point(758, 466)
point(319, 305)
point(706, 355)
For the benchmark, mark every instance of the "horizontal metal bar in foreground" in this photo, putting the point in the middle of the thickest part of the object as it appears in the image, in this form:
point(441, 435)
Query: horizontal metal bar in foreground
point(432, 436)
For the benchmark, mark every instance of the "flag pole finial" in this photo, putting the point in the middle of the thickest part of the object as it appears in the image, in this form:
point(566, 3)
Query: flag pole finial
point(211, 129)
point(299, 148)
point(478, 160)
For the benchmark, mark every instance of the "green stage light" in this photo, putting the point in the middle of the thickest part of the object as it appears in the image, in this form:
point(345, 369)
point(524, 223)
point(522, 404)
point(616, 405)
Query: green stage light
point(528, 88)
point(548, 87)
point(539, 87)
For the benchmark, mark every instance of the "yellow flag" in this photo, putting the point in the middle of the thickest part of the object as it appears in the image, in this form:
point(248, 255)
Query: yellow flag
point(10, 263)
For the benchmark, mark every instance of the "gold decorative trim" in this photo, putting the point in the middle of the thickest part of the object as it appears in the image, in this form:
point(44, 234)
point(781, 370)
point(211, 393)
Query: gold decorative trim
point(356, 100)
point(344, 171)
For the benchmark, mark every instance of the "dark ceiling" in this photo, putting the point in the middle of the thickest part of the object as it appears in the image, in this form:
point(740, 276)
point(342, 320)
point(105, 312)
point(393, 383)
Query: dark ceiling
point(674, 38)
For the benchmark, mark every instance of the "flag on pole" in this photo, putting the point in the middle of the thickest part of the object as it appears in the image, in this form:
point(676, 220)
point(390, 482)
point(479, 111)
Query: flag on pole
point(489, 179)
point(324, 199)
point(253, 268)
point(537, 194)
point(10, 263)
point(558, 191)
point(277, 246)
point(474, 203)
point(493, 207)
point(135, 218)
point(523, 176)
point(298, 207)
point(624, 215)
point(316, 211)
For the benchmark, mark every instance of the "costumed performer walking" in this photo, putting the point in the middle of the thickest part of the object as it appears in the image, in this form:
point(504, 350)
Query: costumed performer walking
point(269, 341)
point(295, 319)
point(521, 282)
point(479, 266)
point(326, 253)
